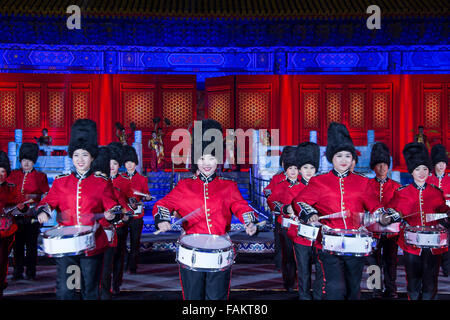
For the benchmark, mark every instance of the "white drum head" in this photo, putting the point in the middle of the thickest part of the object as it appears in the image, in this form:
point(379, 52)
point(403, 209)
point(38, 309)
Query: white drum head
point(67, 231)
point(205, 241)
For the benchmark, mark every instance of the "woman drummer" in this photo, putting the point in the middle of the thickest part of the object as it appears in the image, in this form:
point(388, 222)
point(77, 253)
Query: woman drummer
point(282, 194)
point(339, 191)
point(81, 198)
point(9, 196)
point(411, 204)
point(217, 198)
point(308, 159)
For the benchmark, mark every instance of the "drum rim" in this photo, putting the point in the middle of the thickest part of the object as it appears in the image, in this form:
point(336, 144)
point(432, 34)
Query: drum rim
point(366, 232)
point(186, 246)
point(46, 236)
point(206, 269)
point(350, 254)
point(437, 229)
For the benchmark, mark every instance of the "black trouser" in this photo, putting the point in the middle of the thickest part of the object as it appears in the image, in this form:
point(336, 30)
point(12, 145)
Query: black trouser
point(422, 274)
point(78, 272)
point(113, 264)
point(445, 261)
point(341, 276)
point(288, 265)
point(26, 236)
point(135, 226)
point(386, 260)
point(205, 285)
point(277, 245)
point(6, 244)
point(305, 257)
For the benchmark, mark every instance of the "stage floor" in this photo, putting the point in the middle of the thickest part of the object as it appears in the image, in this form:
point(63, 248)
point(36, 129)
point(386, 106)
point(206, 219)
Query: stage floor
point(254, 277)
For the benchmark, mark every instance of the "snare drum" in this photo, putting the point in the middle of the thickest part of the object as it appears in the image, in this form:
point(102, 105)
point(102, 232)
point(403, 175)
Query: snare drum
point(110, 233)
point(205, 252)
point(392, 228)
point(308, 231)
point(358, 243)
point(432, 237)
point(286, 222)
point(63, 241)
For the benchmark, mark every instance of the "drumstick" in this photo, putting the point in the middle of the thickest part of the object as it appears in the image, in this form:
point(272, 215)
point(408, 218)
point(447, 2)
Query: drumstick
point(435, 216)
point(333, 215)
point(143, 194)
point(259, 224)
point(180, 220)
point(15, 207)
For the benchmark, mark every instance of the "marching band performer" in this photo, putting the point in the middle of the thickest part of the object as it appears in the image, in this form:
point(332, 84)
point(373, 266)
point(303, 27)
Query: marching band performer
point(135, 183)
point(411, 204)
point(113, 261)
point(441, 180)
point(339, 191)
point(9, 196)
point(217, 198)
point(32, 185)
point(383, 188)
point(308, 160)
point(77, 197)
point(282, 194)
point(288, 151)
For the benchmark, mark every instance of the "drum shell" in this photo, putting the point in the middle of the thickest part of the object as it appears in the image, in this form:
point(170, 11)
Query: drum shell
point(392, 228)
point(343, 242)
point(426, 237)
point(68, 245)
point(204, 260)
point(307, 231)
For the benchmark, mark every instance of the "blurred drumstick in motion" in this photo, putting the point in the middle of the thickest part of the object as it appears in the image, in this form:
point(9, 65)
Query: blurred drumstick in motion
point(435, 216)
point(186, 217)
point(143, 194)
point(335, 215)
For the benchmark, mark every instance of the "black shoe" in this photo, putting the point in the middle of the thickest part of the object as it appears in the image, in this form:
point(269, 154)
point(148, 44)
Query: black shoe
point(18, 277)
point(390, 295)
point(27, 277)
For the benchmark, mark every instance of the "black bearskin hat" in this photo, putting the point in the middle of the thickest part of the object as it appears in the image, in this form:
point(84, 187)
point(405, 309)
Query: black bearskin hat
point(203, 141)
point(83, 135)
point(29, 151)
point(379, 154)
point(4, 162)
point(289, 157)
point(416, 154)
point(308, 153)
point(288, 152)
point(101, 163)
point(116, 152)
point(339, 140)
point(438, 154)
point(129, 154)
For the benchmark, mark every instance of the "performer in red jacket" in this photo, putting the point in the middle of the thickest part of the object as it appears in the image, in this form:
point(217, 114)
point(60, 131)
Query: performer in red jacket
point(308, 160)
point(9, 197)
point(439, 160)
point(32, 185)
point(281, 195)
point(79, 198)
point(343, 192)
point(136, 183)
point(412, 204)
point(383, 188)
point(288, 151)
point(217, 198)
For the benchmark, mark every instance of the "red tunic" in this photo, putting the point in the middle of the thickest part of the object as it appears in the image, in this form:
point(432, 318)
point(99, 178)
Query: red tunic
point(135, 182)
point(273, 182)
point(9, 196)
point(217, 199)
point(413, 199)
point(442, 183)
point(77, 199)
point(31, 185)
point(384, 193)
point(330, 193)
